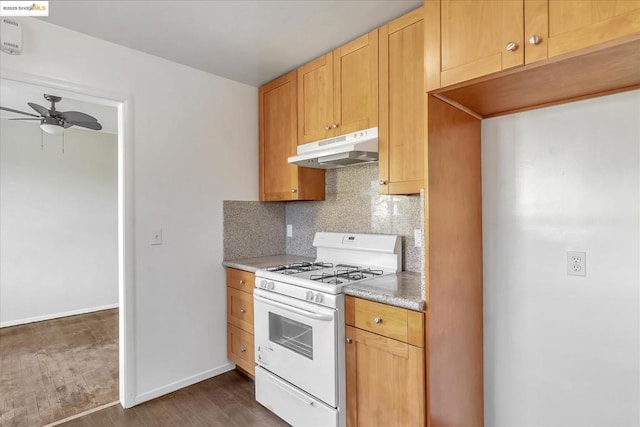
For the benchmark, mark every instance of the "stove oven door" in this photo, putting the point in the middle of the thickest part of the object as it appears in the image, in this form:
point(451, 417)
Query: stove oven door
point(296, 341)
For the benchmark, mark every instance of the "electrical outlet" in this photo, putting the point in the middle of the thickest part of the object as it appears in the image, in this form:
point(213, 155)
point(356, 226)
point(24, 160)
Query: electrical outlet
point(576, 263)
point(417, 238)
point(289, 230)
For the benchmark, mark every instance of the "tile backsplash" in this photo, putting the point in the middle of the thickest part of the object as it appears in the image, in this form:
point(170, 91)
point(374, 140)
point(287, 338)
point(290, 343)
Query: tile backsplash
point(252, 229)
point(353, 205)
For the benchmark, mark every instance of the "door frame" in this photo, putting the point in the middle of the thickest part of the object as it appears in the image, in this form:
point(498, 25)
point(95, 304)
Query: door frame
point(126, 224)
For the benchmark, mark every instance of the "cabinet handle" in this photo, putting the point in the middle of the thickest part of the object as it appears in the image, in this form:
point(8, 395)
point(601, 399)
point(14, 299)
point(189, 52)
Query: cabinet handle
point(377, 320)
point(335, 125)
point(327, 128)
point(243, 311)
point(383, 182)
point(242, 281)
point(294, 190)
point(534, 40)
point(242, 349)
point(349, 340)
point(512, 46)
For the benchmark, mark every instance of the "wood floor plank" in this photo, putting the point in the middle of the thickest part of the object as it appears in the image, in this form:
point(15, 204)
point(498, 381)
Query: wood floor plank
point(40, 365)
point(220, 401)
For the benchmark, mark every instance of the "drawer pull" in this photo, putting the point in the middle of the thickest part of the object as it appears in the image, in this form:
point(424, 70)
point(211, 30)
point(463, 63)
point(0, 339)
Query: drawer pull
point(243, 311)
point(377, 320)
point(349, 340)
point(242, 349)
point(242, 281)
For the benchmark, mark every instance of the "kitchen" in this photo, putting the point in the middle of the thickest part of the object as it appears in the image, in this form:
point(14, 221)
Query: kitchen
point(183, 278)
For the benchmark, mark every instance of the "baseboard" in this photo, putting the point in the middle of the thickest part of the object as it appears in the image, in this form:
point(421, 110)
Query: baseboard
point(170, 388)
point(57, 315)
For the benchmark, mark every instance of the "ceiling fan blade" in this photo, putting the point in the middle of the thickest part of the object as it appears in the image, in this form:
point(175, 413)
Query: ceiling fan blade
point(76, 116)
point(28, 118)
point(18, 111)
point(88, 125)
point(39, 108)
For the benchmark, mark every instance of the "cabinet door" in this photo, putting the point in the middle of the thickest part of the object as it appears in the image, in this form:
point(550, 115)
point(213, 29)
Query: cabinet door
point(278, 138)
point(475, 35)
point(315, 99)
point(402, 105)
point(240, 349)
point(280, 180)
point(385, 381)
point(578, 24)
point(355, 82)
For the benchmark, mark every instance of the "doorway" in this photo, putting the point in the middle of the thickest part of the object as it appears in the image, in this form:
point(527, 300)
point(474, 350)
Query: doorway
point(108, 321)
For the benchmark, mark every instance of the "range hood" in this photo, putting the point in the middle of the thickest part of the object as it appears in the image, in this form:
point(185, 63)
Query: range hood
point(351, 149)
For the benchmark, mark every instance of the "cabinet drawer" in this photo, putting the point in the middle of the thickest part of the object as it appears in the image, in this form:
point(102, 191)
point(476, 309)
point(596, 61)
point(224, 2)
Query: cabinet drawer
point(240, 348)
point(239, 279)
point(240, 309)
point(392, 322)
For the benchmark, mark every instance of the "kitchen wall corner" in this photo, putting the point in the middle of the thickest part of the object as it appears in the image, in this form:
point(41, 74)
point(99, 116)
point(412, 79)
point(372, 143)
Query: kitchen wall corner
point(252, 229)
point(353, 205)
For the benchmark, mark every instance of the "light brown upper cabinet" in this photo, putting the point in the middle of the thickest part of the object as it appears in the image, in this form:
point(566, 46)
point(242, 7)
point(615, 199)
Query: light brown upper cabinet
point(480, 37)
point(402, 105)
point(338, 92)
point(279, 180)
point(554, 27)
point(473, 38)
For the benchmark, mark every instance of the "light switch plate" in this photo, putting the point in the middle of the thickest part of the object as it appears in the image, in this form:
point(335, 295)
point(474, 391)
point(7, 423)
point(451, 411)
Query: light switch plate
point(289, 230)
point(156, 237)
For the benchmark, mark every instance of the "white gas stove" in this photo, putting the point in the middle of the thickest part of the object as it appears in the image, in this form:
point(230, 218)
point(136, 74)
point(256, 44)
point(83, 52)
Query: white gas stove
point(342, 259)
point(299, 325)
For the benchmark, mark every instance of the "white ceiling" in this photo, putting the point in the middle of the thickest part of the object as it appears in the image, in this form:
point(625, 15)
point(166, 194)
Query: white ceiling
point(250, 41)
point(16, 95)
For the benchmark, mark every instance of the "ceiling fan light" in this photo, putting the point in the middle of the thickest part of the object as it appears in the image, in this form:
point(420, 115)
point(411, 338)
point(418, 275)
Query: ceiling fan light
point(51, 126)
point(52, 129)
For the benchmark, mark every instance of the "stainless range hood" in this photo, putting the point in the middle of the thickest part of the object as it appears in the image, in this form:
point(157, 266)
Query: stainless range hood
point(351, 149)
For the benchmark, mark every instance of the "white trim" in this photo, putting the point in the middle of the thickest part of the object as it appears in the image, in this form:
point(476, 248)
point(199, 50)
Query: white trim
point(177, 385)
point(126, 231)
point(57, 315)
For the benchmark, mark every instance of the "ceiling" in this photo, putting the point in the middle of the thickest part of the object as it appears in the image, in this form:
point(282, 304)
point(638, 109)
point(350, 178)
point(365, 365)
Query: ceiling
point(250, 41)
point(16, 95)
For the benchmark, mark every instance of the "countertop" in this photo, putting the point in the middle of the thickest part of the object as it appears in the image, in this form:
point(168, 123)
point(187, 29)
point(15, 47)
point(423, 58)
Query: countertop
point(401, 290)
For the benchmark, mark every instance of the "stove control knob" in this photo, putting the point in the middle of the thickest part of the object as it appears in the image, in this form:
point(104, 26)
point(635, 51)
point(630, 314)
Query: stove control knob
point(319, 298)
point(263, 284)
point(309, 296)
point(270, 286)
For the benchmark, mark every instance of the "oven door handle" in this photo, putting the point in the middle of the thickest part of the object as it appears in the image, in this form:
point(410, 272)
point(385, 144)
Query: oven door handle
point(305, 313)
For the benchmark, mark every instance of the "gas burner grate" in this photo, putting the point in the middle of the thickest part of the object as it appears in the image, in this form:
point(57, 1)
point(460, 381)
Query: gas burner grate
point(299, 267)
point(330, 278)
point(357, 273)
point(346, 274)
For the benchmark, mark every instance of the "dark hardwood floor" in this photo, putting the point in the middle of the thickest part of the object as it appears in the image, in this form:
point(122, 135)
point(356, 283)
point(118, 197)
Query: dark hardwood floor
point(223, 401)
point(54, 369)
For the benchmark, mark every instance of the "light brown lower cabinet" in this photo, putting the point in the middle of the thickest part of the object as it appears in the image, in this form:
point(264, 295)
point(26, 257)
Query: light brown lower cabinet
point(240, 342)
point(385, 377)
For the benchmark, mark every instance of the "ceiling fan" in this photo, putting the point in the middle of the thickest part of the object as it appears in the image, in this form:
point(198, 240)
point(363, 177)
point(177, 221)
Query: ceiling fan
point(55, 122)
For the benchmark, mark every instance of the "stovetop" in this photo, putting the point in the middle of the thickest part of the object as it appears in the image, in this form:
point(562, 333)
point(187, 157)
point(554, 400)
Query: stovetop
point(323, 273)
point(342, 259)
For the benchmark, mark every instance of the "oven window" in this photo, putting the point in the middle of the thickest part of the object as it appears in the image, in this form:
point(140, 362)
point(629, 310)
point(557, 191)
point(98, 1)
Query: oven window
point(293, 335)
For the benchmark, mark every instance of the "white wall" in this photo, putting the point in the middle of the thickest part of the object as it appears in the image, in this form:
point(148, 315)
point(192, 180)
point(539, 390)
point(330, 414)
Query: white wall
point(58, 222)
point(195, 143)
point(561, 350)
